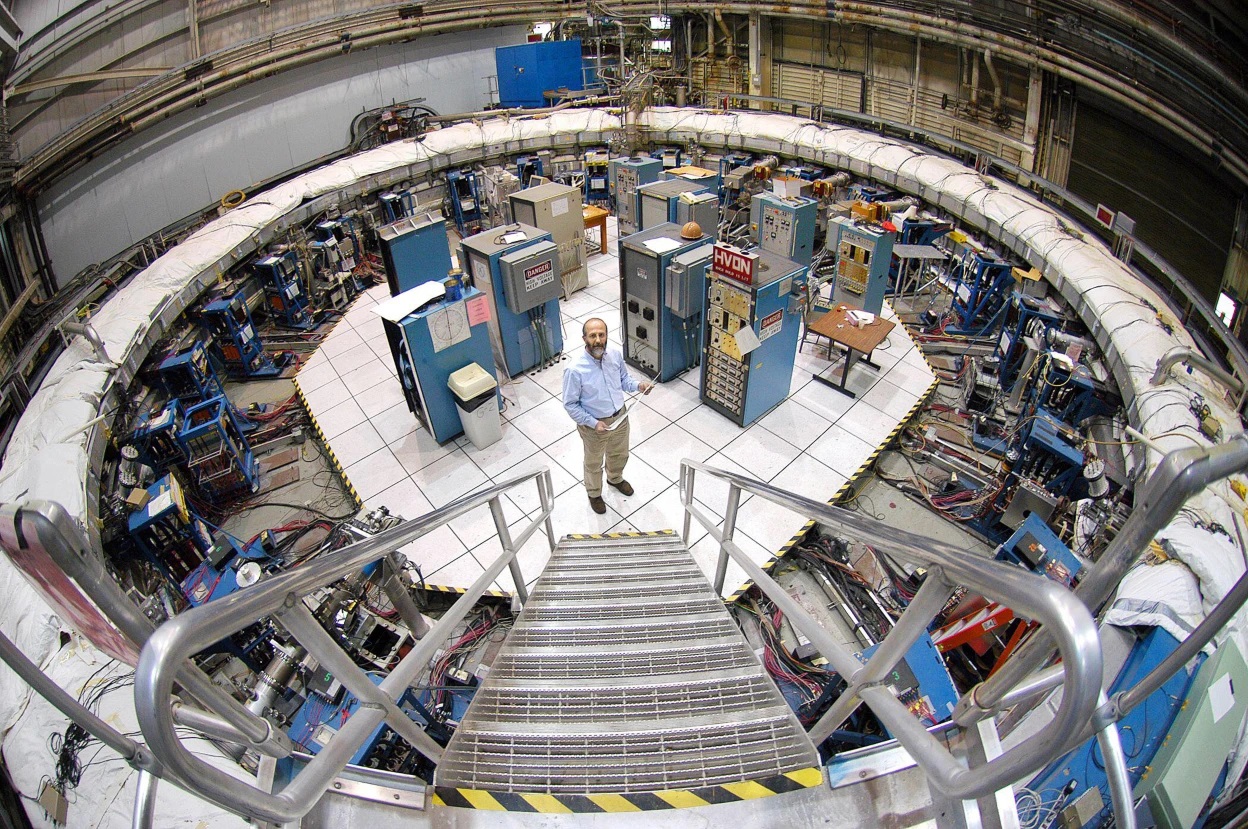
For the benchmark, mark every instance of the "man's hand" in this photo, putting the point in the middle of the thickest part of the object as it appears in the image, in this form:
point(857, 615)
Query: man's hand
point(645, 387)
point(600, 427)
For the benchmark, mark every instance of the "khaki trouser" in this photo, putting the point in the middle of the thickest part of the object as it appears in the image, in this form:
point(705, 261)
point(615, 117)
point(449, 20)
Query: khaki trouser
point(612, 445)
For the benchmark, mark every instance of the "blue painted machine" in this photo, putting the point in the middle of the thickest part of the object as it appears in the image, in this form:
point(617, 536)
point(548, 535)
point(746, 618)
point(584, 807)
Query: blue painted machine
point(529, 70)
point(864, 255)
point(627, 174)
point(1144, 729)
point(661, 287)
point(234, 340)
point(328, 707)
point(981, 285)
point(284, 296)
point(920, 681)
point(430, 337)
point(415, 251)
point(517, 268)
point(1038, 548)
point(751, 301)
point(173, 539)
point(784, 226)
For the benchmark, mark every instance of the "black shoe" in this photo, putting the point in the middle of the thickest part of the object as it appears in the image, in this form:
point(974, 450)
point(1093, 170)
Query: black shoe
point(624, 487)
point(599, 506)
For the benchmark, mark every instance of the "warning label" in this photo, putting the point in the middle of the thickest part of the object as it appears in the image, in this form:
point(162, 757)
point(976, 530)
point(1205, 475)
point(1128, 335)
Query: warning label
point(540, 274)
point(770, 325)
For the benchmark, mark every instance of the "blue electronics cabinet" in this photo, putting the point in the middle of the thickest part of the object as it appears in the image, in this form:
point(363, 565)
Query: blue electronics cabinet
point(662, 278)
point(517, 267)
point(864, 254)
point(415, 251)
point(431, 337)
point(284, 296)
point(527, 71)
point(627, 174)
point(784, 226)
point(656, 203)
point(753, 291)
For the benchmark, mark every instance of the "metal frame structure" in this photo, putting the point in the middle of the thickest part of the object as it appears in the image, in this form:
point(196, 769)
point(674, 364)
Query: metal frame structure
point(281, 598)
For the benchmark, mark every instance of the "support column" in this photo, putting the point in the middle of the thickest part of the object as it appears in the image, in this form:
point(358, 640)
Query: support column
point(1031, 126)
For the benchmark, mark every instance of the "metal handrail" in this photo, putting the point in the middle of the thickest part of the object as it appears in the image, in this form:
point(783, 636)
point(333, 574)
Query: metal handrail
point(1065, 618)
point(282, 598)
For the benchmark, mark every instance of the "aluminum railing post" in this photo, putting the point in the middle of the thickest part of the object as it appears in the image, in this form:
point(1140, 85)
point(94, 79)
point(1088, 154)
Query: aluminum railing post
point(730, 525)
point(145, 800)
point(504, 535)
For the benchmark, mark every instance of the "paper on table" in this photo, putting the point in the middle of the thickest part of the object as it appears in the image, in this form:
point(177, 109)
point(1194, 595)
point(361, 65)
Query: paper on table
point(661, 245)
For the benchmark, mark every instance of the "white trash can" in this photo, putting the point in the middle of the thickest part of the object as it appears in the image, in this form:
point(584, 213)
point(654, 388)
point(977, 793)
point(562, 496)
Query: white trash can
point(475, 394)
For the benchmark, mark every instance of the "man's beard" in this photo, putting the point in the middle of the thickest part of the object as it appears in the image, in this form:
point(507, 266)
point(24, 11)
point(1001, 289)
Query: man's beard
point(596, 351)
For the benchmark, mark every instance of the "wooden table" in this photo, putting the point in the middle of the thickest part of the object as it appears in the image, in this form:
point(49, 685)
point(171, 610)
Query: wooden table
point(596, 217)
point(859, 342)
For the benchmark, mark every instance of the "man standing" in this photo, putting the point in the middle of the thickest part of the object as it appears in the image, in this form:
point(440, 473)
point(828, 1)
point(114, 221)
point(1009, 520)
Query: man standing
point(593, 394)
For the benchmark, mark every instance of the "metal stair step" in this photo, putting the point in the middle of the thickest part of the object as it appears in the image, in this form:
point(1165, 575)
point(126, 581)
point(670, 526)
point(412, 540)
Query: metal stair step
point(623, 673)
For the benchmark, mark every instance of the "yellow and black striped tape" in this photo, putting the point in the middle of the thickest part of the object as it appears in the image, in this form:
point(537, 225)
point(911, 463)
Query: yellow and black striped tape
point(628, 802)
point(333, 459)
point(627, 534)
point(441, 588)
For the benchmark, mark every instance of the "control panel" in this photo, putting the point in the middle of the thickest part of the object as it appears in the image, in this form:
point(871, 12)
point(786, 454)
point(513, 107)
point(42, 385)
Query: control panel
point(728, 308)
point(863, 258)
point(784, 225)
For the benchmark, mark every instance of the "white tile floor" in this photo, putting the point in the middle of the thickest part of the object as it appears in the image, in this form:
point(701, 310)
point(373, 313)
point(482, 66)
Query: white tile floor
point(811, 444)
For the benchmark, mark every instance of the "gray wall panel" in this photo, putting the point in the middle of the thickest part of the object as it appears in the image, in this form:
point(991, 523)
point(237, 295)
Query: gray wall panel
point(250, 135)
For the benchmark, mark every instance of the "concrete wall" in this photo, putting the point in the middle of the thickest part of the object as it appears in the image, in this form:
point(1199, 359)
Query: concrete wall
point(250, 135)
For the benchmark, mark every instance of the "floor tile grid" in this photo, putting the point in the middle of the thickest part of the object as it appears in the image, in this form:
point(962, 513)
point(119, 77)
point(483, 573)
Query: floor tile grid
point(774, 435)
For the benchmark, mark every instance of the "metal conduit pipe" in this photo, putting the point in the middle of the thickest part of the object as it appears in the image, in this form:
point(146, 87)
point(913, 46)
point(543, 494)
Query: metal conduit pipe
point(996, 81)
point(85, 330)
point(1183, 354)
point(723, 27)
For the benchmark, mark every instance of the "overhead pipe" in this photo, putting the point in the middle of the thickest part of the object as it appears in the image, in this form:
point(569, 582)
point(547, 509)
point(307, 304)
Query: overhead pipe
point(996, 81)
point(729, 40)
point(1181, 354)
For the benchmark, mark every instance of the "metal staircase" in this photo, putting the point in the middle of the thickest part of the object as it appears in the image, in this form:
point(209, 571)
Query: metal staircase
point(624, 686)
